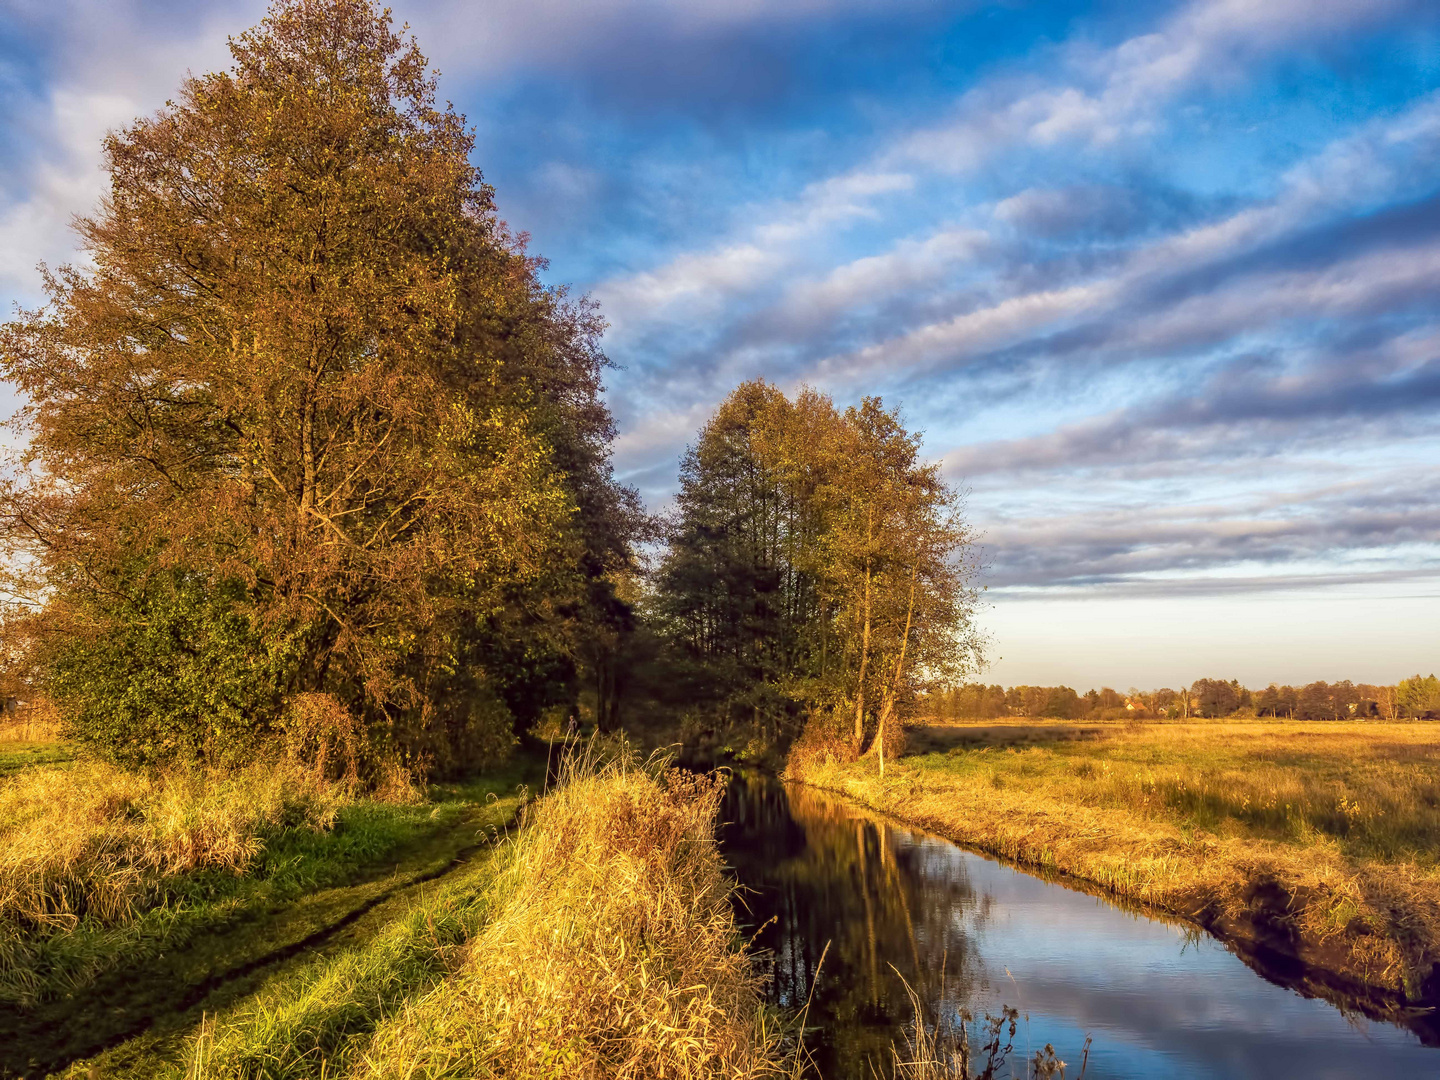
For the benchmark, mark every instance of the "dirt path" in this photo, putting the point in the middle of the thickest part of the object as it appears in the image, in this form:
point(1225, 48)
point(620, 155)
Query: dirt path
point(130, 1017)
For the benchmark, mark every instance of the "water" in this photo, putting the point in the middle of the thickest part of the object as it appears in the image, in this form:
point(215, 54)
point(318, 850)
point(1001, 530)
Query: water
point(1160, 1000)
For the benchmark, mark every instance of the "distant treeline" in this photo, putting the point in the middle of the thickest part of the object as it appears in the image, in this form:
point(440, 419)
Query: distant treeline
point(1415, 698)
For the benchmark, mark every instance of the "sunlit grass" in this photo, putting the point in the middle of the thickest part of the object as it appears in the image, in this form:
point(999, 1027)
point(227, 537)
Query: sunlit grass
point(599, 941)
point(1338, 822)
point(103, 868)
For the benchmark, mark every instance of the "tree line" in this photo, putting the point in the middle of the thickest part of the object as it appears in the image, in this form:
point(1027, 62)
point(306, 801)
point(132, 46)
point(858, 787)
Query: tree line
point(1417, 697)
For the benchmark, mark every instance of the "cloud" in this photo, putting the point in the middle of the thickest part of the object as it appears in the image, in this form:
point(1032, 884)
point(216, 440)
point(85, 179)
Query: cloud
point(1382, 528)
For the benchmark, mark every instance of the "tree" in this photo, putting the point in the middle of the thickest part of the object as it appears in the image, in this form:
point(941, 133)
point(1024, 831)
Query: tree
point(1216, 697)
point(311, 384)
point(1419, 696)
point(815, 566)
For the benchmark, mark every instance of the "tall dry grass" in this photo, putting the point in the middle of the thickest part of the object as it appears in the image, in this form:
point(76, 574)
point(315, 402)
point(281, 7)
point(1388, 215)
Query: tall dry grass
point(598, 942)
point(97, 843)
point(35, 723)
point(95, 840)
point(1324, 833)
point(943, 1048)
point(612, 951)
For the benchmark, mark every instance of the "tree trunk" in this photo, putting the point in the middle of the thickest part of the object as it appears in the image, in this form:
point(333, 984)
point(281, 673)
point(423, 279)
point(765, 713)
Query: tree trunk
point(864, 665)
point(887, 708)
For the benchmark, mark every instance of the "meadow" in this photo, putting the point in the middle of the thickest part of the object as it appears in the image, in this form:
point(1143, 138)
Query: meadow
point(589, 932)
point(1314, 840)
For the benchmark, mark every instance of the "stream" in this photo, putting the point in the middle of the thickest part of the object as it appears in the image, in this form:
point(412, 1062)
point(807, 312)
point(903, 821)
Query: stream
point(899, 906)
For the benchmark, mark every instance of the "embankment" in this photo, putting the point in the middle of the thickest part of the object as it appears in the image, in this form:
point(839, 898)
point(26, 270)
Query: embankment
point(1351, 905)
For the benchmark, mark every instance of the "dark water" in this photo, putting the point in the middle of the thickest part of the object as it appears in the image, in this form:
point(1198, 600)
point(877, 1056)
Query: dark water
point(1161, 1001)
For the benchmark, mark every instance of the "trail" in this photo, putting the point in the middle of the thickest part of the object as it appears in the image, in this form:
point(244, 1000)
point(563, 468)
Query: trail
point(140, 1012)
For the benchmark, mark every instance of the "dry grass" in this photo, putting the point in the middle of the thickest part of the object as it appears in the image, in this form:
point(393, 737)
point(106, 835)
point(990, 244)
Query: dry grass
point(1326, 832)
point(943, 1049)
point(599, 942)
point(32, 724)
point(611, 952)
point(94, 841)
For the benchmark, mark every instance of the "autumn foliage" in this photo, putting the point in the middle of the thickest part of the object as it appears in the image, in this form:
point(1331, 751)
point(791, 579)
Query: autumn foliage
point(817, 570)
point(307, 422)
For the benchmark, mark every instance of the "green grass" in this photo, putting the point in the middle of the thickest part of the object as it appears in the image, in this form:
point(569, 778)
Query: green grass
point(598, 941)
point(15, 756)
point(367, 838)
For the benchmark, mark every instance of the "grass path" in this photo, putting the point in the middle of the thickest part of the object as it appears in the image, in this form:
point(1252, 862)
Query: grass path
point(133, 1018)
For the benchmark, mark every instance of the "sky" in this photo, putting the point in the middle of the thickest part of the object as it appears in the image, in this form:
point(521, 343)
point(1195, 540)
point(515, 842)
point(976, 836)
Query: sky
point(1159, 282)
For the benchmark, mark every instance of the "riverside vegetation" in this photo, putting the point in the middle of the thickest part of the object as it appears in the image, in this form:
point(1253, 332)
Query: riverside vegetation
point(1315, 841)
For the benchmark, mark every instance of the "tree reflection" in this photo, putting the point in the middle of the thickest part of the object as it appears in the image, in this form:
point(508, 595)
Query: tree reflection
point(891, 911)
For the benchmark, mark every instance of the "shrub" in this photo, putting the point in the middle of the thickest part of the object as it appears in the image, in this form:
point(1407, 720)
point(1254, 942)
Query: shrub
point(173, 669)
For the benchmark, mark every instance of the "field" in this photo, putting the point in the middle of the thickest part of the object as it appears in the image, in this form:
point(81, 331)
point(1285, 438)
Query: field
point(1319, 841)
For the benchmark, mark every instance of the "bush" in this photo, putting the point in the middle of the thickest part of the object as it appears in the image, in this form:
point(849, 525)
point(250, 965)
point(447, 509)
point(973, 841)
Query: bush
point(173, 669)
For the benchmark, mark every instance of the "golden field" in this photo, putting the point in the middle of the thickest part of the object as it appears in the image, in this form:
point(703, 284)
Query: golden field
point(1317, 840)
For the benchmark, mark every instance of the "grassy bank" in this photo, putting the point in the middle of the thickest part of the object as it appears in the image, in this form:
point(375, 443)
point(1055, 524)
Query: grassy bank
point(1320, 841)
point(598, 941)
point(101, 868)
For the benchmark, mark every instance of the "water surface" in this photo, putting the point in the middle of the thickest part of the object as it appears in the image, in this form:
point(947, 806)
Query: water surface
point(1161, 1000)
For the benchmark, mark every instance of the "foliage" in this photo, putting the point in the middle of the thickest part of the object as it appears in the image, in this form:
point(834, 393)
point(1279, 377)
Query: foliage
point(170, 667)
point(310, 413)
point(1419, 696)
point(815, 565)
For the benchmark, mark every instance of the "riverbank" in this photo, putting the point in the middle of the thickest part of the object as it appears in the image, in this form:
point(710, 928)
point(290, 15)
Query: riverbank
point(591, 936)
point(1313, 842)
point(597, 940)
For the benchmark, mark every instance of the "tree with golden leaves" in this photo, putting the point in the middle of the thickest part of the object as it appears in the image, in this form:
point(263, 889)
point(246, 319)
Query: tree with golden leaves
point(817, 567)
point(308, 422)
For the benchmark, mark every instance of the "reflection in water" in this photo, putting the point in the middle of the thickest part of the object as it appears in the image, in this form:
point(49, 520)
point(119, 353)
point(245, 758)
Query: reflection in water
point(968, 932)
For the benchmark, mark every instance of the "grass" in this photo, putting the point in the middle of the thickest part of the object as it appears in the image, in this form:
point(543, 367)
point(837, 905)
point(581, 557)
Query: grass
point(1319, 839)
point(599, 941)
point(101, 868)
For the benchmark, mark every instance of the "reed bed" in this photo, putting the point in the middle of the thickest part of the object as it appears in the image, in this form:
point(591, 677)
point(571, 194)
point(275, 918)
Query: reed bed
point(598, 941)
point(1321, 837)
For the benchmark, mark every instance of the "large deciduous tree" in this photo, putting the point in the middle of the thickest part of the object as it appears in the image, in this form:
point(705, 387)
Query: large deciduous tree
point(816, 566)
point(307, 421)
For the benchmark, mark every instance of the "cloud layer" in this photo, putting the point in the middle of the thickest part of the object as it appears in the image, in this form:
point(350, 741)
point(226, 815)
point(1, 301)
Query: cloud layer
point(1159, 281)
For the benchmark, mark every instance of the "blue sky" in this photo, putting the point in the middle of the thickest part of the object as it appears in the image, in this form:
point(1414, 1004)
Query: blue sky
point(1160, 282)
